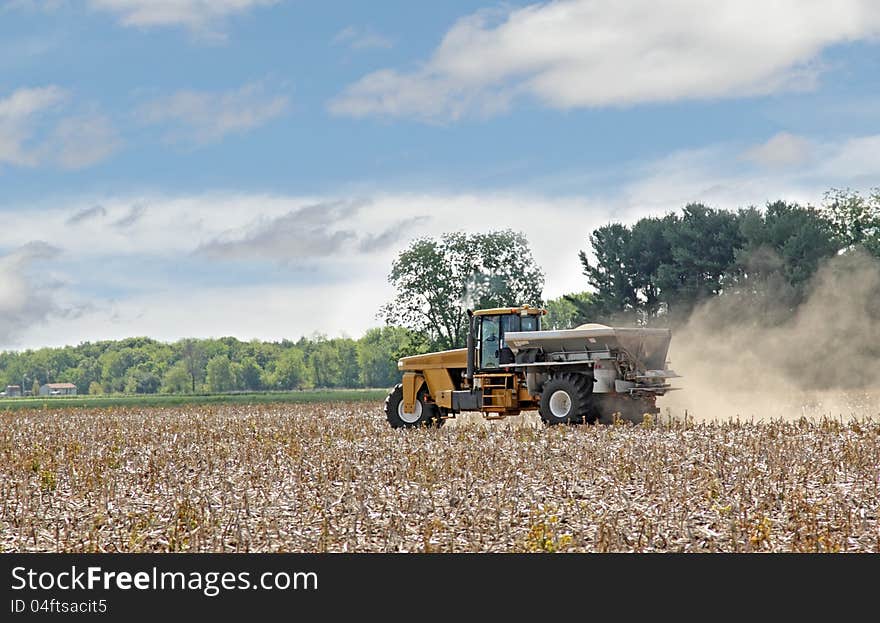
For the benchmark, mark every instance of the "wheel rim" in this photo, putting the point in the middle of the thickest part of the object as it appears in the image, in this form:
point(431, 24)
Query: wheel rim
point(410, 418)
point(560, 403)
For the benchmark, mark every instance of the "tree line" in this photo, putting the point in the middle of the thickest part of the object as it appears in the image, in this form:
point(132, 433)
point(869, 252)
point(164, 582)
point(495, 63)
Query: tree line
point(142, 365)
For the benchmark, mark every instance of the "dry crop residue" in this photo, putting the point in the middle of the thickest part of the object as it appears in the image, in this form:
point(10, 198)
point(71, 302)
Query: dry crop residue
point(335, 477)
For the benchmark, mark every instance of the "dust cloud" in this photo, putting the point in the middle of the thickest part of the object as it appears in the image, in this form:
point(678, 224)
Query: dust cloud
point(748, 356)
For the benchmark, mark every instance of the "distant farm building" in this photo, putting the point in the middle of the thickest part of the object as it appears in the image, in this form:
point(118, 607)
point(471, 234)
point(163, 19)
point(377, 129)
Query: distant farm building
point(58, 389)
point(13, 390)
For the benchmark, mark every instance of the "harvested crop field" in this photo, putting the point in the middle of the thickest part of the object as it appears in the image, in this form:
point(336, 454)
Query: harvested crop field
point(335, 477)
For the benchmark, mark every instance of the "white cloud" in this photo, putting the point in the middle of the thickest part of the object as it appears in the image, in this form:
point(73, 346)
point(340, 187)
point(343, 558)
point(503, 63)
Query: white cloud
point(718, 175)
point(102, 238)
point(22, 305)
point(782, 150)
point(82, 141)
point(171, 231)
point(24, 103)
point(312, 231)
point(335, 250)
point(362, 38)
point(32, 133)
point(265, 312)
point(204, 117)
point(858, 159)
point(293, 230)
point(19, 113)
point(198, 15)
point(588, 53)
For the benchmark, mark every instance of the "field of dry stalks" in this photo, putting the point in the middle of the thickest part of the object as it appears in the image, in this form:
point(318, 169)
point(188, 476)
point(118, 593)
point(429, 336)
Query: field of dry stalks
point(335, 478)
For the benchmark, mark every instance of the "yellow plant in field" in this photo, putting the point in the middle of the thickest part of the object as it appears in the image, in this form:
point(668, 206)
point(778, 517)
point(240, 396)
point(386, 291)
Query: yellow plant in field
point(722, 510)
point(140, 524)
point(827, 543)
point(760, 533)
point(714, 489)
point(48, 480)
point(428, 532)
point(113, 460)
point(186, 520)
point(543, 535)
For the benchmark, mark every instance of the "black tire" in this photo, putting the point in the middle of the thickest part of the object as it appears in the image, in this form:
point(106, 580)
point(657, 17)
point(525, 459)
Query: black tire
point(567, 399)
point(429, 415)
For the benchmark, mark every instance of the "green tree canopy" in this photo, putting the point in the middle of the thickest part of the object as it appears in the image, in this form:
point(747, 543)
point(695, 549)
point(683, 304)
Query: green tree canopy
point(567, 311)
point(177, 379)
point(855, 218)
point(139, 365)
point(249, 374)
point(379, 350)
point(219, 376)
point(291, 371)
point(782, 248)
point(612, 273)
point(438, 279)
point(194, 358)
point(660, 268)
point(703, 244)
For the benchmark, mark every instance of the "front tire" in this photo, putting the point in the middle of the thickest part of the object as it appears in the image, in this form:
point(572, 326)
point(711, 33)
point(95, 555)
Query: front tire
point(424, 413)
point(567, 399)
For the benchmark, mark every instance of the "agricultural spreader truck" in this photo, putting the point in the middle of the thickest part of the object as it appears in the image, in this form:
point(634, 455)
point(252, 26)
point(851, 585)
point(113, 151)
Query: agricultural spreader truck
point(592, 373)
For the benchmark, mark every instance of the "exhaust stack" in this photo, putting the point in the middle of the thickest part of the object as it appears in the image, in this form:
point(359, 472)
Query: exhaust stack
point(471, 349)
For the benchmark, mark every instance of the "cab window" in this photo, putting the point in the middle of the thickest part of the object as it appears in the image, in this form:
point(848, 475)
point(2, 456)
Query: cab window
point(528, 323)
point(490, 342)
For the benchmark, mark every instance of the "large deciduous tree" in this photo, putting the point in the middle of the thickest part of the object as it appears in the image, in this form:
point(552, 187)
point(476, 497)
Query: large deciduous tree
point(438, 279)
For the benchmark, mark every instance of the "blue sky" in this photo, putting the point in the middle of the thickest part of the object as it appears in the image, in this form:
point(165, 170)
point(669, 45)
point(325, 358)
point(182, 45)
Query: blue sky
point(251, 167)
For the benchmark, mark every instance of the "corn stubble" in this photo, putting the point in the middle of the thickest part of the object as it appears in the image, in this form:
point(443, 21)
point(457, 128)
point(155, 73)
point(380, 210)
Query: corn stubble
point(335, 478)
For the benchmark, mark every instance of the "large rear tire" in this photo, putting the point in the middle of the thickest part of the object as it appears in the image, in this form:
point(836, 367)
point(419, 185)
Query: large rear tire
point(425, 413)
point(567, 399)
